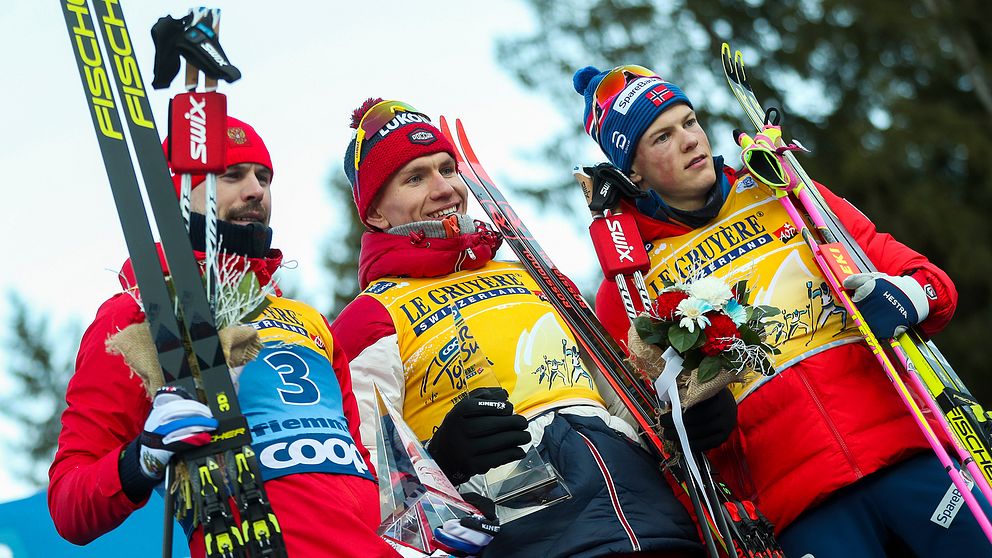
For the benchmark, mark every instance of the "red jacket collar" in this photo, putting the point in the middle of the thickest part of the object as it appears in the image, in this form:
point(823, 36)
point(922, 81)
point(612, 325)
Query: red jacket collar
point(651, 228)
point(263, 268)
point(390, 255)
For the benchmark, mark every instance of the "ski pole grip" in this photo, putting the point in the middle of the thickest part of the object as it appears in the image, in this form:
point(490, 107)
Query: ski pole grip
point(618, 245)
point(197, 133)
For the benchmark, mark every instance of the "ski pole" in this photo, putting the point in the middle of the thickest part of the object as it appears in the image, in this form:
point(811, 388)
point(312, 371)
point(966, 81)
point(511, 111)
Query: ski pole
point(199, 120)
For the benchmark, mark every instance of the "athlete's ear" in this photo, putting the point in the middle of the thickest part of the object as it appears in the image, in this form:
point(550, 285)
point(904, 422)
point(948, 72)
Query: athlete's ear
point(636, 179)
point(376, 219)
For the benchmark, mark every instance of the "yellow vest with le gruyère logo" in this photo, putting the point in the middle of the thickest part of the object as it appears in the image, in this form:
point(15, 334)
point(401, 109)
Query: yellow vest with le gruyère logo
point(753, 239)
point(484, 328)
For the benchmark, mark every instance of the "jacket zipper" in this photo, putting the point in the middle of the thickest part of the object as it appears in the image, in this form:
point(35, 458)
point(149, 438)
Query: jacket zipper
point(830, 423)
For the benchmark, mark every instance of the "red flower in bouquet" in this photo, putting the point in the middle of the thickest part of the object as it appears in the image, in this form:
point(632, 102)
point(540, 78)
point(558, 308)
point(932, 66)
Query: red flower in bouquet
point(663, 307)
point(720, 334)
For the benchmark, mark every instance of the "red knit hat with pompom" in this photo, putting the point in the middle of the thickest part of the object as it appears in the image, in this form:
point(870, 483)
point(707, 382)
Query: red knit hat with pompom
point(407, 136)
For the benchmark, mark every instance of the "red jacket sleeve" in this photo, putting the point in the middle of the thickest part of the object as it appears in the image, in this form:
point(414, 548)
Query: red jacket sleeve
point(892, 257)
point(362, 322)
point(107, 405)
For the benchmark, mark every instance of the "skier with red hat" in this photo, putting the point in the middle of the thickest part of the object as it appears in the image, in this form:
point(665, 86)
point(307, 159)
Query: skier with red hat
point(118, 434)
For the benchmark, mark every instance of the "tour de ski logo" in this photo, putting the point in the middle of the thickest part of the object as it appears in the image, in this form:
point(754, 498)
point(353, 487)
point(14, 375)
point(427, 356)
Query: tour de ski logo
point(568, 369)
point(794, 322)
point(458, 361)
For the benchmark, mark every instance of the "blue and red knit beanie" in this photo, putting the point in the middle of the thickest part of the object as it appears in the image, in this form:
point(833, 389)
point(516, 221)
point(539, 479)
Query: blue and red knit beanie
point(408, 136)
point(618, 122)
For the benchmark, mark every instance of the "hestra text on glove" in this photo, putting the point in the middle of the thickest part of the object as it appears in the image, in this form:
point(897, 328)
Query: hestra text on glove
point(888, 304)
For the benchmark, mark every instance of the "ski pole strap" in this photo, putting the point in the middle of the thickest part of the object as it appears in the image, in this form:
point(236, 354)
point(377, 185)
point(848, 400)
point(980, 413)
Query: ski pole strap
point(618, 245)
point(762, 157)
point(604, 185)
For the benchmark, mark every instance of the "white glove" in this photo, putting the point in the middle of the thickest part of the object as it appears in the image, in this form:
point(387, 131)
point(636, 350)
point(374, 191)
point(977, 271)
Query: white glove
point(177, 422)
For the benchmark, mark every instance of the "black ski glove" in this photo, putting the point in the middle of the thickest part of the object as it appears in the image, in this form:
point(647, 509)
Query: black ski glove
point(165, 34)
point(707, 423)
point(479, 433)
point(609, 184)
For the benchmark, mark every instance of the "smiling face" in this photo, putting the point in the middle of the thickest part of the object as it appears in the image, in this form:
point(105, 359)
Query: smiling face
point(673, 158)
point(242, 195)
point(425, 189)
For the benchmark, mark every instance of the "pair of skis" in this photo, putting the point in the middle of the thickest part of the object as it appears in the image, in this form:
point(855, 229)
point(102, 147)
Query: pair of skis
point(959, 416)
point(639, 398)
point(182, 323)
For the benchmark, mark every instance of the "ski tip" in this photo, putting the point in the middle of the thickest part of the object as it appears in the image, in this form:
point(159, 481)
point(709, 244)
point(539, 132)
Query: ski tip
point(470, 155)
point(446, 131)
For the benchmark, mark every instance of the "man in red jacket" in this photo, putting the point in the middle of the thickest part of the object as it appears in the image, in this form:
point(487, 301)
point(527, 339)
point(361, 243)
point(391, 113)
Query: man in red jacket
point(296, 395)
point(824, 445)
point(478, 361)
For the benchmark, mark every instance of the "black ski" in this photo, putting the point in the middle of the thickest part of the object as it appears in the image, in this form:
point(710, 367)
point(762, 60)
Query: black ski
point(182, 325)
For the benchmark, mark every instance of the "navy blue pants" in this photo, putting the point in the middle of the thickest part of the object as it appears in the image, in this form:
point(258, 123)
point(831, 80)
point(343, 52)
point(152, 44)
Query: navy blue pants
point(620, 501)
point(891, 507)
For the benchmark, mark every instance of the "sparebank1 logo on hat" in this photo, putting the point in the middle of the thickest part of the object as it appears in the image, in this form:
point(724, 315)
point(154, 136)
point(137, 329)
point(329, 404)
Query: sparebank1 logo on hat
point(636, 88)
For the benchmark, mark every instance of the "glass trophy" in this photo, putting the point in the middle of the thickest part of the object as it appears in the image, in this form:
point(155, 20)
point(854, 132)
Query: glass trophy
point(415, 497)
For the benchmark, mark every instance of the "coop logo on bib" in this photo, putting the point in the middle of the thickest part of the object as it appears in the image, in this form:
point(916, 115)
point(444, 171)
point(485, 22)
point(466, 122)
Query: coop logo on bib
point(313, 453)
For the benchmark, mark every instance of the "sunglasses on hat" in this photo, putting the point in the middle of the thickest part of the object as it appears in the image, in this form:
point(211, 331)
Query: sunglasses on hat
point(611, 85)
point(375, 119)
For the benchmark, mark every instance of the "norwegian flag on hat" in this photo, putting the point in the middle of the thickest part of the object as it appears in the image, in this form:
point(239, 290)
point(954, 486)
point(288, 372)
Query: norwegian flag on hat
point(659, 95)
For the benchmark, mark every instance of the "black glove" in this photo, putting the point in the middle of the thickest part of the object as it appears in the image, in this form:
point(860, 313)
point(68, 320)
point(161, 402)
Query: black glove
point(165, 34)
point(707, 423)
point(609, 184)
point(479, 433)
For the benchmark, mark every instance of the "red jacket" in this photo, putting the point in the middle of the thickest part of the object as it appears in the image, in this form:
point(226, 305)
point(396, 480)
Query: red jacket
point(828, 420)
point(320, 514)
